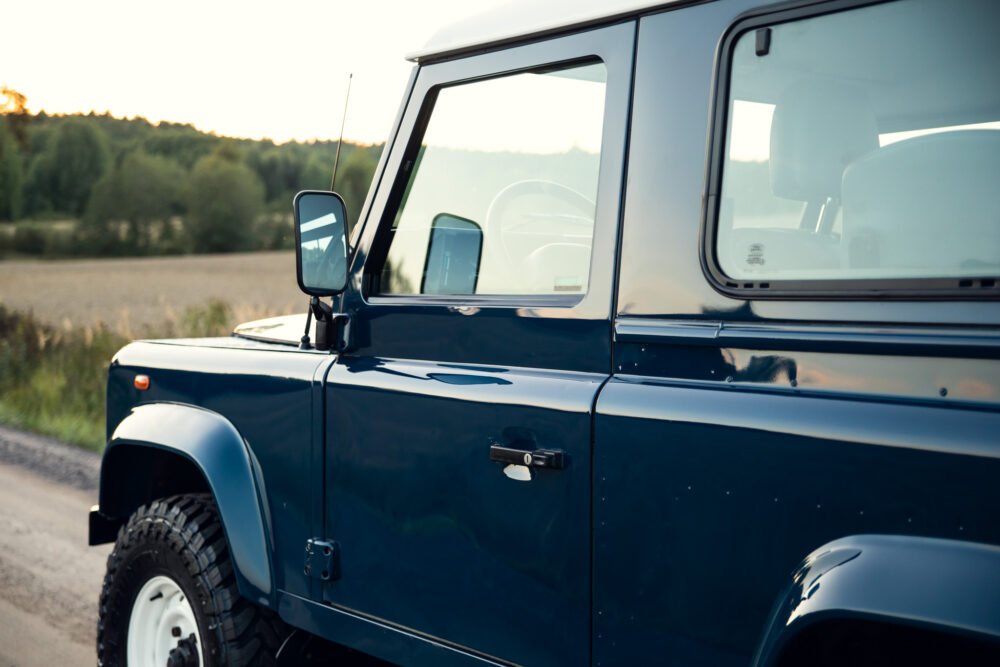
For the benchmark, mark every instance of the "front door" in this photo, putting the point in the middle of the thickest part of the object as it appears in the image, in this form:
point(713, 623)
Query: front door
point(480, 302)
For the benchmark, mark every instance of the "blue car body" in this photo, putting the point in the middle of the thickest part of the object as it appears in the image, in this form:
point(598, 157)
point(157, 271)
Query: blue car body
point(739, 471)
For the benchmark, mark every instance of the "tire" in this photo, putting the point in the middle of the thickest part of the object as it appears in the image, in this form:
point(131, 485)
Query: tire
point(177, 544)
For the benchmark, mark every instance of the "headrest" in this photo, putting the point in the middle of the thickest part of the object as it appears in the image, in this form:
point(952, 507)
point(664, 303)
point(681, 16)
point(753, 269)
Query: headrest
point(816, 131)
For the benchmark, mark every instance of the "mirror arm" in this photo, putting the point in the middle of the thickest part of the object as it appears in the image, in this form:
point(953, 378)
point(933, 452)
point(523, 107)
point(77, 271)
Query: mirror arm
point(304, 341)
point(332, 329)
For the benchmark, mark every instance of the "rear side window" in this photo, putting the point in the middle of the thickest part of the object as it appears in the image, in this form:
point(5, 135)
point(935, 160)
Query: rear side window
point(501, 194)
point(860, 150)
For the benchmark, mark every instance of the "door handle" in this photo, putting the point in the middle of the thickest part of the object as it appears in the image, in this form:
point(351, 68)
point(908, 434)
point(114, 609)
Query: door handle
point(553, 459)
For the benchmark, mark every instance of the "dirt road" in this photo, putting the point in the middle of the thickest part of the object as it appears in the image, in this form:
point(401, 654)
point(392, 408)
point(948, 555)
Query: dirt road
point(49, 578)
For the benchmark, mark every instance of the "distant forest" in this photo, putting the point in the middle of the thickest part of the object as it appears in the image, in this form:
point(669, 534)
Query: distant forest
point(95, 185)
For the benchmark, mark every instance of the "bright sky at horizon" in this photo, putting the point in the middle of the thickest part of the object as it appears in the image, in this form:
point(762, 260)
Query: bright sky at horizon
point(247, 69)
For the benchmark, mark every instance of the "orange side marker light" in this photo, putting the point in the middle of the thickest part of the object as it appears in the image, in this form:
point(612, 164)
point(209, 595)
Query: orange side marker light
point(141, 382)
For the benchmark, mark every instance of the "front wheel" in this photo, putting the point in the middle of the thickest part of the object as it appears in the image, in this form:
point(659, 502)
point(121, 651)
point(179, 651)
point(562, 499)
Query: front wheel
point(170, 598)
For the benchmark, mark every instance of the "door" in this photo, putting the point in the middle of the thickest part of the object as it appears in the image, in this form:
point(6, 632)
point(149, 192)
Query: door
point(480, 332)
point(749, 432)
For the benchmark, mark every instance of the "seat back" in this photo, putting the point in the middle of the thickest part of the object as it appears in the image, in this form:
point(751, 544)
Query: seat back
point(924, 206)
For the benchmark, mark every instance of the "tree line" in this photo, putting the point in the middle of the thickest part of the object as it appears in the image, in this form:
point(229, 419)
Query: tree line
point(96, 185)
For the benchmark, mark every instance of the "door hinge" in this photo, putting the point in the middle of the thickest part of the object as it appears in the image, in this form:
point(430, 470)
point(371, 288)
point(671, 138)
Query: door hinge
point(322, 559)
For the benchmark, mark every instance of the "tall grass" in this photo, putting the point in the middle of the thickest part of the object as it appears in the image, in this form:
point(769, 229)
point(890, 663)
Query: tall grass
point(52, 379)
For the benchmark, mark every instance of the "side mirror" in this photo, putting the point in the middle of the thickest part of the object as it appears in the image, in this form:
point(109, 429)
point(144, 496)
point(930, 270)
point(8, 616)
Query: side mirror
point(320, 242)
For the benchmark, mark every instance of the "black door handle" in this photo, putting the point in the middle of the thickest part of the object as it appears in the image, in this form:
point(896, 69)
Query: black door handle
point(536, 458)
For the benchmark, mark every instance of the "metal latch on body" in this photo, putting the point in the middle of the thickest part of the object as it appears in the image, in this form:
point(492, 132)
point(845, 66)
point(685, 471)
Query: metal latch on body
point(552, 459)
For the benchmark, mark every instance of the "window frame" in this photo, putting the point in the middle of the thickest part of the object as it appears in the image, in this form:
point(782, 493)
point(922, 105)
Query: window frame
point(601, 44)
point(980, 287)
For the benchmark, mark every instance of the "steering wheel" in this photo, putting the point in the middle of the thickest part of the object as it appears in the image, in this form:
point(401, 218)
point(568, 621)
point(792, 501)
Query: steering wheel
point(333, 262)
point(499, 225)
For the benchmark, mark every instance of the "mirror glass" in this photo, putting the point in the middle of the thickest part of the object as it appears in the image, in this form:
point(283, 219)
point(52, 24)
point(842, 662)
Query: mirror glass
point(321, 242)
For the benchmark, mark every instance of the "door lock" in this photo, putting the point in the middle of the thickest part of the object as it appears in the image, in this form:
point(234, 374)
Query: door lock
point(553, 459)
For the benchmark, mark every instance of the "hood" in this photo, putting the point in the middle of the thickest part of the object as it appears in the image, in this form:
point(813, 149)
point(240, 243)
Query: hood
point(286, 330)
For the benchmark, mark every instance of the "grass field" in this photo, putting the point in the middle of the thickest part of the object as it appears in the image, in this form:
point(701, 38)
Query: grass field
point(132, 296)
point(61, 322)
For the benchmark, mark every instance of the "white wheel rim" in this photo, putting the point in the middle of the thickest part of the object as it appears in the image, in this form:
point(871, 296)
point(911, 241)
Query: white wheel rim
point(161, 616)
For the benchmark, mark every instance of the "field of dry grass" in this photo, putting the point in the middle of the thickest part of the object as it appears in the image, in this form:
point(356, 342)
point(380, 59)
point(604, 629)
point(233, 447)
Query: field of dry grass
point(133, 295)
point(61, 322)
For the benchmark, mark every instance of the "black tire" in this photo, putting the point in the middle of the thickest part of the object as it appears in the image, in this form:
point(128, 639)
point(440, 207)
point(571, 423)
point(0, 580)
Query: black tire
point(182, 537)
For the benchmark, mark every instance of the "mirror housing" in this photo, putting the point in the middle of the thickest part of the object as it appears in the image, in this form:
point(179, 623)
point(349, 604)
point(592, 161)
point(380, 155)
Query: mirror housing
point(320, 242)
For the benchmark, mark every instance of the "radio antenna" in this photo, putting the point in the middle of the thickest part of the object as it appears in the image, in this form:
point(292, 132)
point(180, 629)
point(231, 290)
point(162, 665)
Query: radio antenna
point(340, 142)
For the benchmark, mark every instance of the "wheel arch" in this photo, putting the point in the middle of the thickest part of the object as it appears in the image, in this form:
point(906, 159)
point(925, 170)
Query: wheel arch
point(897, 583)
point(163, 449)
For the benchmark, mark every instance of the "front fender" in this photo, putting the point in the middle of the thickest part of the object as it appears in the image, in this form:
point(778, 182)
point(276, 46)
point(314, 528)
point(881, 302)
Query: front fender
point(945, 585)
point(216, 448)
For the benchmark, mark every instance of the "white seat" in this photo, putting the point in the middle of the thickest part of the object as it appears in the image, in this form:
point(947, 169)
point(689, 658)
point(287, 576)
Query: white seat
point(926, 206)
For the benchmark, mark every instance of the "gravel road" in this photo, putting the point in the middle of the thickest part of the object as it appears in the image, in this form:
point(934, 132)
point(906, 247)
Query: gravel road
point(49, 578)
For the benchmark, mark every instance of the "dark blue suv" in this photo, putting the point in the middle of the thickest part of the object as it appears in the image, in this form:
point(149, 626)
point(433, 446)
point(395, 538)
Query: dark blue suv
point(669, 334)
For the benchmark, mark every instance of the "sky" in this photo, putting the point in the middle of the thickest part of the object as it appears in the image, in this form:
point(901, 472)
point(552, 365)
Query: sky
point(243, 69)
point(524, 113)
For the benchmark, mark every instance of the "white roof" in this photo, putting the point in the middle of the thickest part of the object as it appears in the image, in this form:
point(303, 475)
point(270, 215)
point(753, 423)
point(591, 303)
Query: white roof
point(523, 18)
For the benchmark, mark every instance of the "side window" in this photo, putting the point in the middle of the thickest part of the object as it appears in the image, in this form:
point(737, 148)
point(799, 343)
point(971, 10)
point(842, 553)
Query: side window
point(863, 145)
point(501, 193)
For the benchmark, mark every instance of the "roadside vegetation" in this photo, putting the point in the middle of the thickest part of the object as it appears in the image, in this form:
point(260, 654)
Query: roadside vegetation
point(52, 378)
point(98, 186)
point(101, 191)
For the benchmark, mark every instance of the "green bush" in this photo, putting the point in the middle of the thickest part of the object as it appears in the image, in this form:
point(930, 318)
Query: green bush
point(137, 189)
point(212, 319)
point(29, 239)
point(11, 175)
point(61, 176)
point(225, 198)
point(142, 194)
point(39, 239)
point(276, 232)
point(52, 380)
